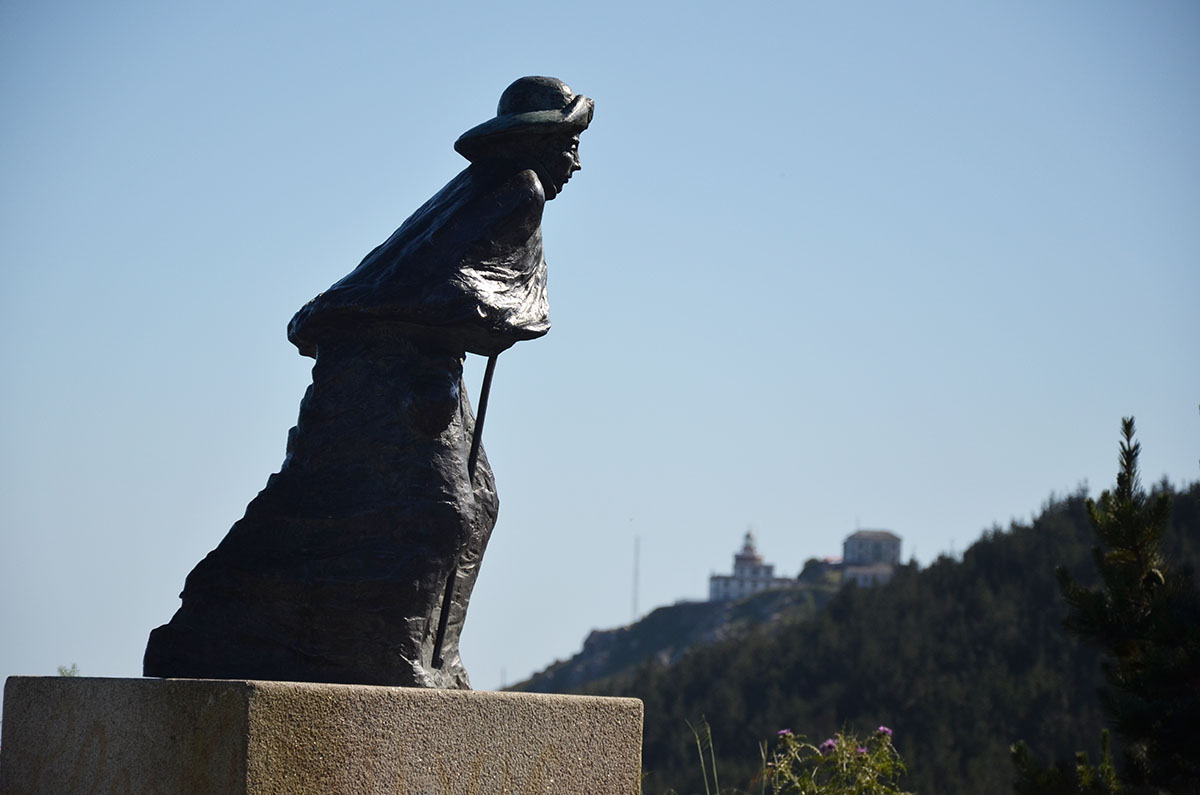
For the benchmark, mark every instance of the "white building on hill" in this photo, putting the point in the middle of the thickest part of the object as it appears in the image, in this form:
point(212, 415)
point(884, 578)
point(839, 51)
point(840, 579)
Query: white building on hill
point(870, 556)
point(750, 575)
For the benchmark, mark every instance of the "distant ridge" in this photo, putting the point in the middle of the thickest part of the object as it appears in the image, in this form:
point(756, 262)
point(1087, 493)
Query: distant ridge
point(961, 659)
point(665, 635)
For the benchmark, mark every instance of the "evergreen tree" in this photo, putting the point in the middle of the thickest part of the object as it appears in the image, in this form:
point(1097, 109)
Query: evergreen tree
point(1145, 619)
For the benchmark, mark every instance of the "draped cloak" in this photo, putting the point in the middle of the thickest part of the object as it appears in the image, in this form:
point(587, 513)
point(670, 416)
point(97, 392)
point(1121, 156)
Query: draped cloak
point(337, 571)
point(466, 270)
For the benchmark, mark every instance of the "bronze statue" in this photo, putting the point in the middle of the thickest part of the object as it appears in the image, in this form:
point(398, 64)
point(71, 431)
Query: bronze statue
point(356, 562)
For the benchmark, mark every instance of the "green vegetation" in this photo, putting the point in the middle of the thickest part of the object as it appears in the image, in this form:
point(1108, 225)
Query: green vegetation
point(842, 765)
point(1082, 778)
point(1144, 615)
point(708, 766)
point(961, 659)
point(668, 633)
point(1145, 618)
point(71, 670)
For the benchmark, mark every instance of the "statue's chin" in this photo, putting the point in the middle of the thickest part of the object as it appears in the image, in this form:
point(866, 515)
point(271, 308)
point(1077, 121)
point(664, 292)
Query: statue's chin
point(551, 188)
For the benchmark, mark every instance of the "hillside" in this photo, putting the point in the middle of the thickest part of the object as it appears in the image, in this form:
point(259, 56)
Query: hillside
point(668, 633)
point(961, 659)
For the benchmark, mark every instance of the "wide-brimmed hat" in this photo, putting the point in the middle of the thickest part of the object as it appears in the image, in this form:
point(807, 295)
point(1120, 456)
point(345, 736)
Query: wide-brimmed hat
point(530, 106)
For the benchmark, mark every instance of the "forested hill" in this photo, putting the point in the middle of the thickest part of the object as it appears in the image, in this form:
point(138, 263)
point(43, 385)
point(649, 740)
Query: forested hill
point(667, 634)
point(960, 659)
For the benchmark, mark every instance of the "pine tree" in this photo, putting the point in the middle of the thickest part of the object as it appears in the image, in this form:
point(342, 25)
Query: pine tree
point(1145, 618)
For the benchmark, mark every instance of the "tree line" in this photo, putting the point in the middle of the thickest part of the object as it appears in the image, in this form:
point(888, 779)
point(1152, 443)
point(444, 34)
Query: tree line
point(961, 659)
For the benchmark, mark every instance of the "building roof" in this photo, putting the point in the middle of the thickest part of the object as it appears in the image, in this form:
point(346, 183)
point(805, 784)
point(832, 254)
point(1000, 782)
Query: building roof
point(874, 535)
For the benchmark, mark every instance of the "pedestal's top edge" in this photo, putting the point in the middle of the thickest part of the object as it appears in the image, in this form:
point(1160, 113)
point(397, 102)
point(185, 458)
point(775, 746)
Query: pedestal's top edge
point(267, 685)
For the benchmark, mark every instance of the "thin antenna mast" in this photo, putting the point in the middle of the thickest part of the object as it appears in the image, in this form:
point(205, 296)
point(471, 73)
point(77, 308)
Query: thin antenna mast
point(637, 553)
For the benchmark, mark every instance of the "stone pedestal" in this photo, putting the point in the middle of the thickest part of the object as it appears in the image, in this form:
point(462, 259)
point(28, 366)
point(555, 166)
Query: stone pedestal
point(67, 735)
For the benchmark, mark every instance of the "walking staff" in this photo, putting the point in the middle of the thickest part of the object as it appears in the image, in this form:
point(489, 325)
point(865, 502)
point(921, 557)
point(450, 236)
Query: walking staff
point(476, 438)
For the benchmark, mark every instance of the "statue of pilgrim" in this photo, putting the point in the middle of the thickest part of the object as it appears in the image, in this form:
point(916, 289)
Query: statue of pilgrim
point(356, 561)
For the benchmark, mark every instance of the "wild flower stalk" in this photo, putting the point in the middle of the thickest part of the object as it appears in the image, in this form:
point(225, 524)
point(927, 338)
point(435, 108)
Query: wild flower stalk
point(841, 765)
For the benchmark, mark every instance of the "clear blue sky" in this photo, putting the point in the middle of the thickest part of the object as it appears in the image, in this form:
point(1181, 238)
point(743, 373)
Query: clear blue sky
point(827, 266)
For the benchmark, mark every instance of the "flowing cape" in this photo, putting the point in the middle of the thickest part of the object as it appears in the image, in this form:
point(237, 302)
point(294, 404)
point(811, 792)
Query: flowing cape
point(466, 271)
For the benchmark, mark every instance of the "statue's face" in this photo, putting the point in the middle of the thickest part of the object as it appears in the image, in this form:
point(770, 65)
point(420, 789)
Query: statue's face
point(563, 160)
point(554, 157)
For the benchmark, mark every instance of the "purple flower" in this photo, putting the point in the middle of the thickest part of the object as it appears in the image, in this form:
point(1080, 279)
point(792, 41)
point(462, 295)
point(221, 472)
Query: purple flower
point(828, 746)
point(862, 749)
point(884, 730)
point(784, 732)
